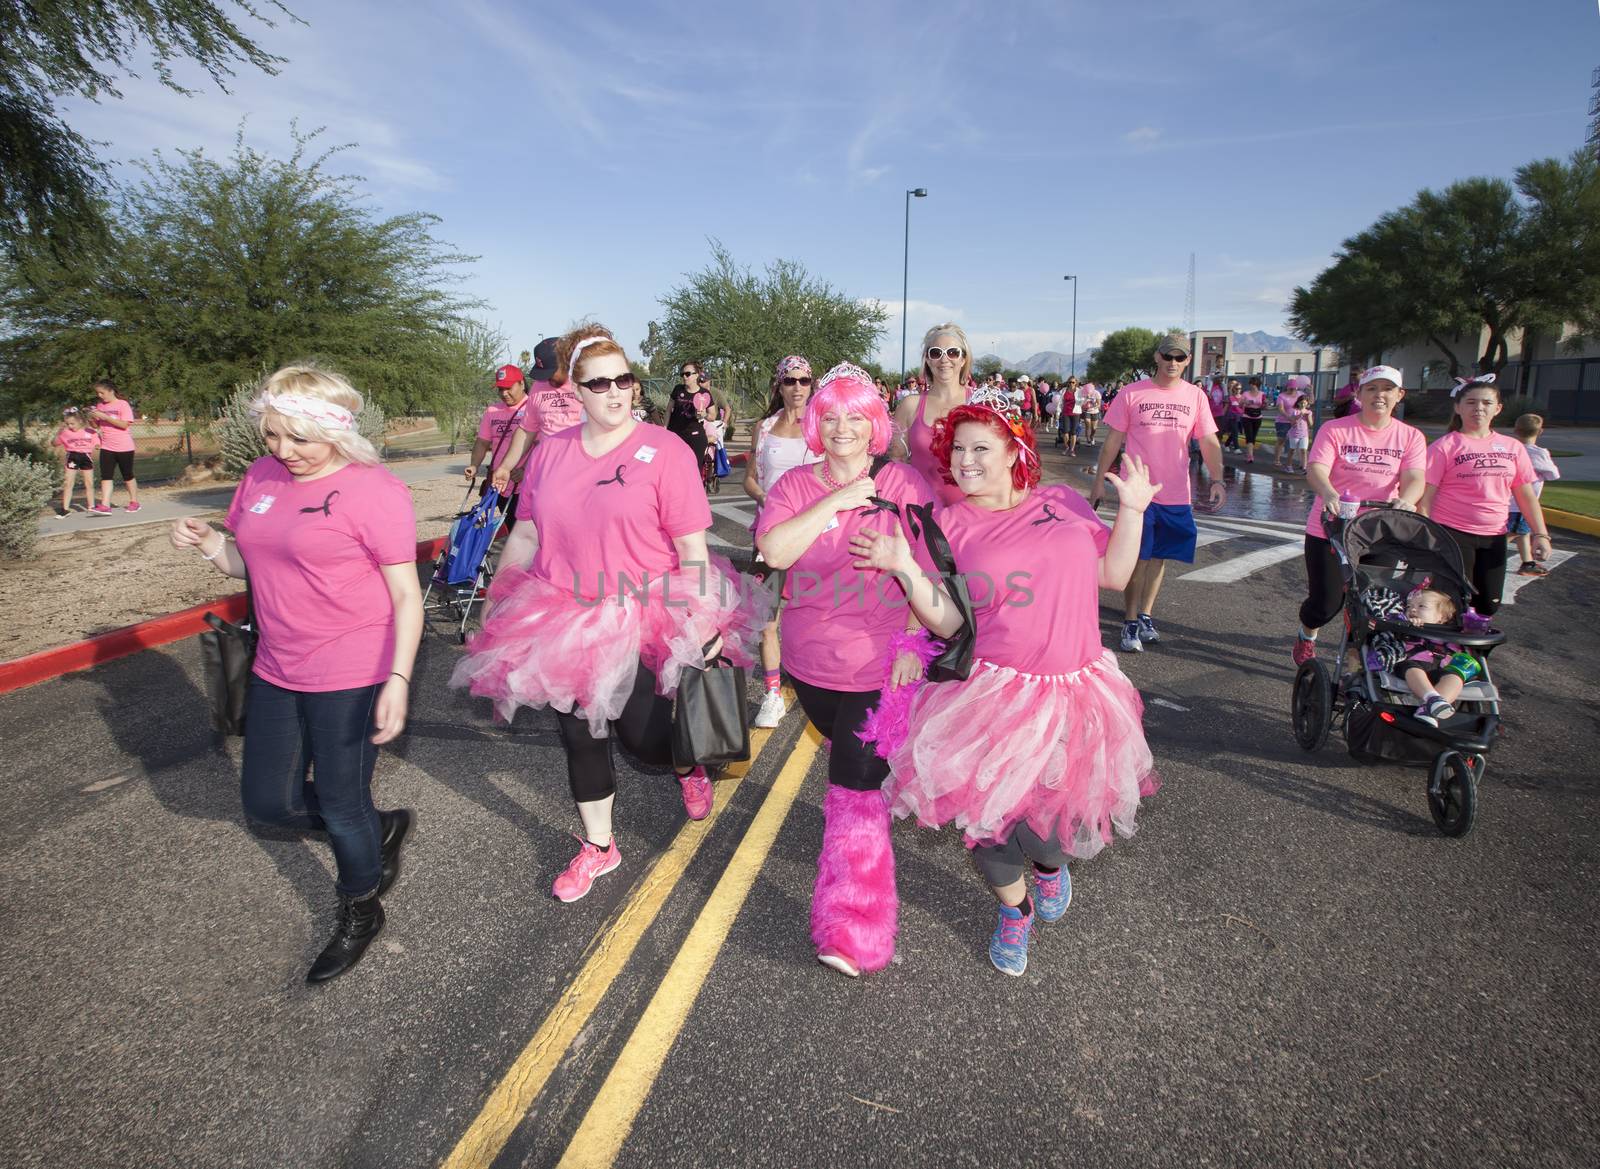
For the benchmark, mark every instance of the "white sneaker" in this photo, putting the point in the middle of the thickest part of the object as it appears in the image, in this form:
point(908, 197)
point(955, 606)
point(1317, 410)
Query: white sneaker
point(1130, 643)
point(772, 710)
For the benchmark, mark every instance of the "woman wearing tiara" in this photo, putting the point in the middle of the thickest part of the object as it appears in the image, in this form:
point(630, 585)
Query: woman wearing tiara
point(1039, 754)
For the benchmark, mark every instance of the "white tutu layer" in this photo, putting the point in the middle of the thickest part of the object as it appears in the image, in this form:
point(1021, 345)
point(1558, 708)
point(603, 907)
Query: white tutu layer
point(1064, 752)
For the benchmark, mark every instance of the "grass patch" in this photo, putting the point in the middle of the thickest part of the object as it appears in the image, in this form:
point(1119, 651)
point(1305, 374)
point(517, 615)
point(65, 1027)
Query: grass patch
point(1579, 498)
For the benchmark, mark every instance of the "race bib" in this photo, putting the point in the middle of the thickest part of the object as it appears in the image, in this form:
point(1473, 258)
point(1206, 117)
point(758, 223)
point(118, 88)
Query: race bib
point(645, 453)
point(263, 505)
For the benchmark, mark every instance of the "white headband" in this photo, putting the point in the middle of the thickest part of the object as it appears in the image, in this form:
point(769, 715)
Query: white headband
point(325, 414)
point(572, 362)
point(1467, 383)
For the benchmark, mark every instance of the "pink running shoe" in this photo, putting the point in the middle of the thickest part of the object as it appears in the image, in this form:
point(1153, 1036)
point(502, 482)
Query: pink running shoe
point(101, 509)
point(1304, 650)
point(696, 793)
point(592, 861)
point(135, 506)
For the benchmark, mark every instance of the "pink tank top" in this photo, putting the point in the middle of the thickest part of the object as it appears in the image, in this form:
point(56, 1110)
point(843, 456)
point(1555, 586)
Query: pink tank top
point(919, 448)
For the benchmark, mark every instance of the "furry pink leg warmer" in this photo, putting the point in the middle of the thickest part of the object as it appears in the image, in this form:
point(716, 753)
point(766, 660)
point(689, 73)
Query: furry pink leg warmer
point(854, 908)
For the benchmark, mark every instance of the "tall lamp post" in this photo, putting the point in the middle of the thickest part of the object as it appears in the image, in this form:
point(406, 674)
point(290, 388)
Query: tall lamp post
point(905, 278)
point(1072, 358)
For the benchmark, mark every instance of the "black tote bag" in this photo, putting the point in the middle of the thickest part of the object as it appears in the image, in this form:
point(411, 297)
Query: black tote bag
point(711, 719)
point(227, 655)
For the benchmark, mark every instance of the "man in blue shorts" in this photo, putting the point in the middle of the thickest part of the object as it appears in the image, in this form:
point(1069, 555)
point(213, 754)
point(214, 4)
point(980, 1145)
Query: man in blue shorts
point(1156, 417)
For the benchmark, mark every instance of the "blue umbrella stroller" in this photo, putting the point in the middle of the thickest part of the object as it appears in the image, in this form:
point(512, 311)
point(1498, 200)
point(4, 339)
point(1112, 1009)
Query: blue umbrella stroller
point(462, 572)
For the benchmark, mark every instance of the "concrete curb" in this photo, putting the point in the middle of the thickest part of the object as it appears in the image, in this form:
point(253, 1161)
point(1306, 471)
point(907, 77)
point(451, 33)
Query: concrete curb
point(1572, 521)
point(130, 639)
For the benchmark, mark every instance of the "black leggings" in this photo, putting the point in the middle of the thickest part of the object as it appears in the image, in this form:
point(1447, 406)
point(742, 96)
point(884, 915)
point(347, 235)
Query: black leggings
point(1485, 558)
point(838, 714)
point(644, 728)
point(1324, 584)
point(1252, 427)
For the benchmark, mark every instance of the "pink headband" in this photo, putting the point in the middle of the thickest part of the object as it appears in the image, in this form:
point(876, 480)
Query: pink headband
point(790, 364)
point(325, 414)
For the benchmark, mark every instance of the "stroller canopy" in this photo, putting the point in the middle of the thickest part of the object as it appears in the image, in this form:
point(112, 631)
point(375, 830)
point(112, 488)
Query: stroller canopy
point(1384, 536)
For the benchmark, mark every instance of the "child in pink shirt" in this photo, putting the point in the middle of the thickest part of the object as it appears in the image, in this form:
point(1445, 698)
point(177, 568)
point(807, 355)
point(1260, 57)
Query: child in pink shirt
point(77, 440)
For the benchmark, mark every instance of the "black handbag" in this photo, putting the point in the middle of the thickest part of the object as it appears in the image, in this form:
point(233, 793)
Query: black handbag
point(227, 656)
point(954, 661)
point(711, 718)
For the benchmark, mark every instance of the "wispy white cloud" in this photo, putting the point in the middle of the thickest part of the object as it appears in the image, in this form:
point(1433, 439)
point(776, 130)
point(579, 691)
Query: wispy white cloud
point(1142, 136)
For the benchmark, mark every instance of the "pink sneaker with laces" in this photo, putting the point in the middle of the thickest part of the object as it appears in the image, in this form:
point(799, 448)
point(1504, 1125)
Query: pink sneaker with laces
point(592, 861)
point(696, 793)
point(1304, 650)
point(135, 506)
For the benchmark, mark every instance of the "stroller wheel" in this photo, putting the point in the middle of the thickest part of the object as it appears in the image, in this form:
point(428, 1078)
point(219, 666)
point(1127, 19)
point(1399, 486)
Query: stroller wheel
point(1453, 792)
point(1311, 707)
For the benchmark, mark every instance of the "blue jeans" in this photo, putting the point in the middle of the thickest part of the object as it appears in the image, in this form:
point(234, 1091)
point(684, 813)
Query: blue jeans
point(290, 732)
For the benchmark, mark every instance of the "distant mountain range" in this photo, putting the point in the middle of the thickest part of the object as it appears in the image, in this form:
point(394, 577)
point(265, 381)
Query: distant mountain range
point(1052, 364)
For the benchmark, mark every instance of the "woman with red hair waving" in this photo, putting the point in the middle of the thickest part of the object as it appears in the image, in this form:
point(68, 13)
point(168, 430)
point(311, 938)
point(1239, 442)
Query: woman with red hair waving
point(1039, 754)
point(837, 629)
point(606, 594)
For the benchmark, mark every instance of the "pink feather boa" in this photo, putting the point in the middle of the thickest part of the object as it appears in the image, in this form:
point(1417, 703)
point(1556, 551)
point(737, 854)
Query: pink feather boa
point(887, 723)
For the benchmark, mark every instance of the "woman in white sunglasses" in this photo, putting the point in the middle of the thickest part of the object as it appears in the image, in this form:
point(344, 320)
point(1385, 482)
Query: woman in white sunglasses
point(947, 370)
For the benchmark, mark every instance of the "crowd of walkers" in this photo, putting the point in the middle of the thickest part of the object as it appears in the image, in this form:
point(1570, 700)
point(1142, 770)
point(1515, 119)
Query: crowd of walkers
point(891, 538)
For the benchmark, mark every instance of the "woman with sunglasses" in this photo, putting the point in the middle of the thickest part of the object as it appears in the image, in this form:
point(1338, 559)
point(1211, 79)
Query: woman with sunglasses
point(779, 447)
point(685, 419)
point(606, 593)
point(840, 626)
point(946, 368)
point(1039, 754)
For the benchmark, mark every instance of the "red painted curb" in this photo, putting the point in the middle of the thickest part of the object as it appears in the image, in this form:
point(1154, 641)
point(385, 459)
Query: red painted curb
point(130, 639)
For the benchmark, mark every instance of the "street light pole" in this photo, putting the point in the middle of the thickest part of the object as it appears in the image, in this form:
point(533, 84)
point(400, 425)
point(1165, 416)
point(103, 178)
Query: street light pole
point(905, 278)
point(1072, 358)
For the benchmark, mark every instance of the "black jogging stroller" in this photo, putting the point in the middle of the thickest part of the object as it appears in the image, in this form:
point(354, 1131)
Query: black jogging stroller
point(1400, 551)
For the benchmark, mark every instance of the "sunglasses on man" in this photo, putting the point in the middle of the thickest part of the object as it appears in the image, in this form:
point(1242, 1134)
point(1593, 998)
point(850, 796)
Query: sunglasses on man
point(1175, 357)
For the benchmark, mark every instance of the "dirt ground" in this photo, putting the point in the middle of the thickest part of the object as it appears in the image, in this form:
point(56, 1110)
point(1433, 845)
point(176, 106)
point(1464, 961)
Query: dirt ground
point(89, 582)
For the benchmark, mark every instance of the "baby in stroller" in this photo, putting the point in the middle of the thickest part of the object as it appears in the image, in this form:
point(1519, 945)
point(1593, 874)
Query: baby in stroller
point(1434, 670)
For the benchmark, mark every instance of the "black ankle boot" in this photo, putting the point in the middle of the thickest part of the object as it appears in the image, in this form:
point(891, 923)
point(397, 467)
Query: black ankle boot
point(395, 826)
point(360, 920)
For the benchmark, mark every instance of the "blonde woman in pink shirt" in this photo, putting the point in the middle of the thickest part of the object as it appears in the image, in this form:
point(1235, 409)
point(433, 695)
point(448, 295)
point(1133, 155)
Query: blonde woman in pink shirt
point(947, 373)
point(327, 539)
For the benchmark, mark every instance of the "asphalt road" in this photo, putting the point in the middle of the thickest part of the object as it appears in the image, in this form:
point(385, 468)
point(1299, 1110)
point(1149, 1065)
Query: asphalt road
point(1287, 964)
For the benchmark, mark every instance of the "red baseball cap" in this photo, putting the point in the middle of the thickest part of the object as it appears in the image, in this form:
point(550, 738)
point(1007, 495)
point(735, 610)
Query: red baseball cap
point(507, 376)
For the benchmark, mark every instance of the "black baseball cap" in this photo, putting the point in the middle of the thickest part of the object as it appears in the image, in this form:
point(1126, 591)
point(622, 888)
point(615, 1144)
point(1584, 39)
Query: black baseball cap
point(544, 361)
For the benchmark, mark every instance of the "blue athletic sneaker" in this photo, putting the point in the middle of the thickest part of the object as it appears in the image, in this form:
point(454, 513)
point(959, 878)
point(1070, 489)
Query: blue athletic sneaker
point(1147, 628)
point(1052, 894)
point(1008, 949)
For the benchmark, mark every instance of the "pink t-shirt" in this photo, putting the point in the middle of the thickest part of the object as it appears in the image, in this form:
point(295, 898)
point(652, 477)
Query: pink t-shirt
point(837, 620)
point(1475, 478)
point(314, 550)
point(78, 441)
point(602, 518)
point(1287, 400)
point(919, 453)
point(499, 418)
point(550, 409)
point(1158, 424)
point(1033, 575)
point(1362, 463)
point(115, 438)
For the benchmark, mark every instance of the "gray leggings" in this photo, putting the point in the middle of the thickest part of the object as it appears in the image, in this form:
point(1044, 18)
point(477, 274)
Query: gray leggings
point(1001, 864)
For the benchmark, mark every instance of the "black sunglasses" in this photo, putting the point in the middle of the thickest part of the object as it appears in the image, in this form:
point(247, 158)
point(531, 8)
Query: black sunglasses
point(690, 373)
point(599, 385)
point(1175, 356)
point(953, 353)
point(797, 381)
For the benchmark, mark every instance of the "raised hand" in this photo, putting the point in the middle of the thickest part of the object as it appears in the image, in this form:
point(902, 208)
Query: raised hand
point(884, 551)
point(1134, 489)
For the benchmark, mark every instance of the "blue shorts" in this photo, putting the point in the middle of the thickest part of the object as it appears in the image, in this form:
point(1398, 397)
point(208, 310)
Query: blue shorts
point(1169, 533)
point(1517, 525)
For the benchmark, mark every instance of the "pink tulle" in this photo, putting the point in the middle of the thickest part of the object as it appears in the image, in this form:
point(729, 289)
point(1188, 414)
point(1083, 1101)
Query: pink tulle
point(542, 645)
point(886, 724)
point(1064, 752)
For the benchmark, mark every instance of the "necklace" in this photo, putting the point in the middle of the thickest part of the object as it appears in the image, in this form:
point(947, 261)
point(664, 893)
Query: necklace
point(834, 483)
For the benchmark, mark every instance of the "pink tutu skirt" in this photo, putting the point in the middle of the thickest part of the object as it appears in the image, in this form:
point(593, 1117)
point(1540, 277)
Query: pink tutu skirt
point(1064, 753)
point(541, 645)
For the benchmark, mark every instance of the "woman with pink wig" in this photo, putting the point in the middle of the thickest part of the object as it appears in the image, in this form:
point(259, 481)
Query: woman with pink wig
point(1039, 754)
point(838, 627)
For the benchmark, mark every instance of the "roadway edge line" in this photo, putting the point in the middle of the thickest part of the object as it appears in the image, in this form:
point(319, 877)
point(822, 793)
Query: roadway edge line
point(611, 1115)
point(608, 955)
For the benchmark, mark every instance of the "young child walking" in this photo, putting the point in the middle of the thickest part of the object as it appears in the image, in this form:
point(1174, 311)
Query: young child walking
point(1528, 428)
point(77, 439)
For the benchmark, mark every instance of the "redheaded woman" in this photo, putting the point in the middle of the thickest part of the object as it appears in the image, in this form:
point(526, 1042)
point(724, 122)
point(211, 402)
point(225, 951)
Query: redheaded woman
point(606, 594)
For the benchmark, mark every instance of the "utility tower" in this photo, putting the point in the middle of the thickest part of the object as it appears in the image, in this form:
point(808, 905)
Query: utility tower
point(1594, 114)
point(1188, 300)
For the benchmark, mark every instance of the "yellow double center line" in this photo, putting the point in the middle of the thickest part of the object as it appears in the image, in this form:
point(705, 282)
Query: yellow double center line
point(611, 1116)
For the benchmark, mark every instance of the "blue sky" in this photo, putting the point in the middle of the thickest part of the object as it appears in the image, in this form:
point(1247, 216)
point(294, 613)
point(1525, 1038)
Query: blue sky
point(586, 153)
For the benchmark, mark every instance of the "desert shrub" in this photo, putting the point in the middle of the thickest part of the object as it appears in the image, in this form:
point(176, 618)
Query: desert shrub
point(25, 485)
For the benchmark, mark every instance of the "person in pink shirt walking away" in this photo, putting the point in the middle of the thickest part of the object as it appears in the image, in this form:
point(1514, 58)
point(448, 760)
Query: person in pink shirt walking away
point(1155, 418)
point(327, 539)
